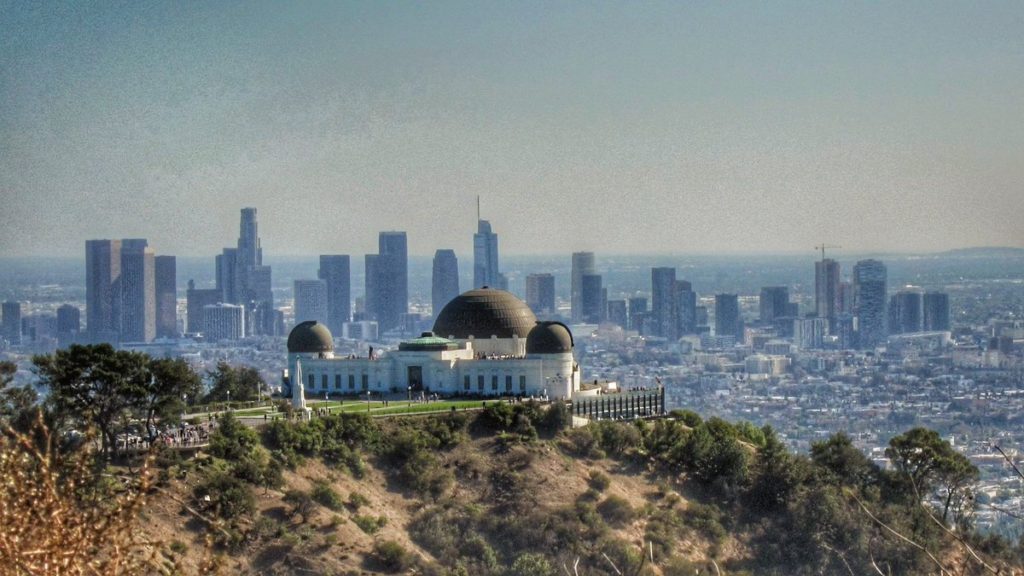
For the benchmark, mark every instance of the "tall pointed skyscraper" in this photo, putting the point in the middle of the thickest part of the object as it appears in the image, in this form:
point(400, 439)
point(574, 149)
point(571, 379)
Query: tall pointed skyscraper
point(485, 255)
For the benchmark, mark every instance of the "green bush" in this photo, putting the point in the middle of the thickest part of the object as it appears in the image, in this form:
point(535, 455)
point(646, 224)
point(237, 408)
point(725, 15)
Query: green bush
point(357, 501)
point(178, 547)
point(530, 564)
point(599, 480)
point(301, 502)
point(616, 510)
point(227, 496)
point(370, 524)
point(392, 556)
point(327, 497)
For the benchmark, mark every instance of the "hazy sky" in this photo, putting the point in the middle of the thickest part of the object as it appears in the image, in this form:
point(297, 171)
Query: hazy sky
point(614, 127)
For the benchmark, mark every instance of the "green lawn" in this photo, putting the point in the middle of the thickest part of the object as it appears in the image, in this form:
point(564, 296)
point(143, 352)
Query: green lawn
point(376, 407)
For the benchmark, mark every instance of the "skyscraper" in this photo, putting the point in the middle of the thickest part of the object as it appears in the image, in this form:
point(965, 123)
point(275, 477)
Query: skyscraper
point(166, 297)
point(637, 312)
point(540, 293)
point(387, 281)
point(686, 307)
point(617, 313)
point(869, 286)
point(664, 308)
point(310, 301)
point(197, 299)
point(727, 316)
point(224, 322)
point(335, 271)
point(138, 291)
point(250, 253)
point(485, 258)
point(582, 263)
point(69, 319)
point(773, 303)
point(227, 271)
point(906, 311)
point(936, 311)
point(593, 301)
point(826, 288)
point(444, 282)
point(12, 322)
point(243, 279)
point(102, 289)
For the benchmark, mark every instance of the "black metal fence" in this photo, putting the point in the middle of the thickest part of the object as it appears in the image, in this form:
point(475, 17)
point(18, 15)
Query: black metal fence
point(629, 405)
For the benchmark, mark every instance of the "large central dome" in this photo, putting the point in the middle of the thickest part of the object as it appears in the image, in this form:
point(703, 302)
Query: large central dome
point(483, 313)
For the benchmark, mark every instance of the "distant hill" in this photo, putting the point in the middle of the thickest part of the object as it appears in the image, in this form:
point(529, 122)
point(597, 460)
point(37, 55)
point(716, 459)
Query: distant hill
point(985, 252)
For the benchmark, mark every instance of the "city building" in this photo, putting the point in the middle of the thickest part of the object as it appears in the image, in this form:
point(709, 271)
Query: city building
point(809, 333)
point(69, 323)
point(827, 292)
point(387, 281)
point(243, 279)
point(618, 313)
point(540, 293)
point(774, 303)
point(166, 286)
point(485, 258)
point(727, 316)
point(936, 311)
point(637, 312)
point(361, 330)
point(310, 301)
point(444, 283)
point(138, 291)
point(906, 311)
point(582, 263)
point(485, 342)
point(664, 308)
point(335, 272)
point(102, 290)
point(593, 299)
point(224, 322)
point(686, 307)
point(12, 322)
point(869, 292)
point(196, 300)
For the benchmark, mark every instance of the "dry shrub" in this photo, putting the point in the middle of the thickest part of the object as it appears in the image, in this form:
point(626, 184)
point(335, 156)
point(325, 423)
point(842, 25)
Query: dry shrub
point(60, 517)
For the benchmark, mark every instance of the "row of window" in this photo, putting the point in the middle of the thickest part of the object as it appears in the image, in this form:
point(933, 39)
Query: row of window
point(481, 379)
point(466, 383)
point(364, 382)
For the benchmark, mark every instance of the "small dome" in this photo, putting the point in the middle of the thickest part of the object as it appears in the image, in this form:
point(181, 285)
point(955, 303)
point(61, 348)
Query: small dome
point(310, 337)
point(549, 338)
point(483, 313)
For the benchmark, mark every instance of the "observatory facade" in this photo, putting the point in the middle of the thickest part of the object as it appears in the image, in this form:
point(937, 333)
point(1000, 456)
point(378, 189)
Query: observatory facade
point(485, 342)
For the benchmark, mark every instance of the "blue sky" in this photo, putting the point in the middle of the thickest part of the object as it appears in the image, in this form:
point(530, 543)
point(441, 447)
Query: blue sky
point(614, 127)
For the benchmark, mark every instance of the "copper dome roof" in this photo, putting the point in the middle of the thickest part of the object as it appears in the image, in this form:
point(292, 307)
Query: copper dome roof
point(549, 338)
point(483, 313)
point(310, 337)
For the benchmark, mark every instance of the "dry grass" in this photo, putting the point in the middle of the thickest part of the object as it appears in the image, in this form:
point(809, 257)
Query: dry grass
point(60, 516)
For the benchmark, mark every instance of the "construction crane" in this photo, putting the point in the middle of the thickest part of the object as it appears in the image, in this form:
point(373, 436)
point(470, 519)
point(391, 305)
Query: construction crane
point(822, 248)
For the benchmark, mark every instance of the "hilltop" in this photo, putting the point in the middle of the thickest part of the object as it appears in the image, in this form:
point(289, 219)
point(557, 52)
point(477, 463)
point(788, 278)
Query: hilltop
point(507, 492)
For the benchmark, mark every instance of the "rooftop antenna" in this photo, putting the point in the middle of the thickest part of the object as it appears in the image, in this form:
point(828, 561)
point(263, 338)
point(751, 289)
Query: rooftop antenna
point(822, 247)
point(478, 207)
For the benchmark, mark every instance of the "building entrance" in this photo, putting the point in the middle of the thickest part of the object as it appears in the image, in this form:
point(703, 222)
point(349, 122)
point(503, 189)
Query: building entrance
point(416, 378)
